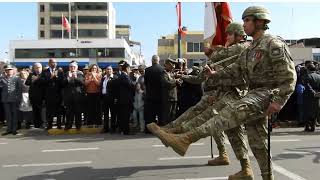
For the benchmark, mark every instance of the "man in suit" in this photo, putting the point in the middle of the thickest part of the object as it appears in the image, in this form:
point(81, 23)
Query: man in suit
point(73, 84)
point(52, 82)
point(125, 100)
point(153, 105)
point(108, 100)
point(116, 94)
point(11, 96)
point(36, 94)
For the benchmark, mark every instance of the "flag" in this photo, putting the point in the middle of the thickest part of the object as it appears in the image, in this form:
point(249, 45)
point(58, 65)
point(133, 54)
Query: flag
point(217, 17)
point(65, 23)
point(181, 29)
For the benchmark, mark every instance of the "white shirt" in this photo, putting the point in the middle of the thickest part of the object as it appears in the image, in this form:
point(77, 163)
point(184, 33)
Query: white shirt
point(105, 83)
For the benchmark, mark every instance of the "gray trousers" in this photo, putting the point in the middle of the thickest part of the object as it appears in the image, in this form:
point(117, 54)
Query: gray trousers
point(11, 111)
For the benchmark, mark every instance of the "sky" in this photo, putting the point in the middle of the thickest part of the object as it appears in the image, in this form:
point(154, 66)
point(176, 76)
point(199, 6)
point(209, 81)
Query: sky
point(149, 21)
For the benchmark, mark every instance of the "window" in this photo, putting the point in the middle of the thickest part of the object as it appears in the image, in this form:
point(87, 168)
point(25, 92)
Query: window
point(42, 34)
point(70, 53)
point(42, 21)
point(41, 8)
point(91, 6)
point(93, 19)
point(93, 33)
point(59, 7)
point(316, 56)
point(45, 53)
point(190, 47)
point(58, 34)
point(56, 20)
point(194, 47)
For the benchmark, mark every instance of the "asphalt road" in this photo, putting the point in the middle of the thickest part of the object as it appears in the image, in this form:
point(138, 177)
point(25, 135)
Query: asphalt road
point(37, 156)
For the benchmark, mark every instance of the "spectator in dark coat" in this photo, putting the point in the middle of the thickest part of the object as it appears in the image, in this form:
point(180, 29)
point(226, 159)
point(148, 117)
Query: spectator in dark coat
point(52, 84)
point(73, 83)
point(153, 104)
point(108, 100)
point(125, 100)
point(36, 94)
point(311, 98)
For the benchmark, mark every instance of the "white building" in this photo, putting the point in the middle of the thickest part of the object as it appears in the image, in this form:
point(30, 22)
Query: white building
point(103, 52)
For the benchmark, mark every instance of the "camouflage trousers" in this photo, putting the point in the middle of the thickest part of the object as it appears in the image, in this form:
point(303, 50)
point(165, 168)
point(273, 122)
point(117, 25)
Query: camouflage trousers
point(202, 112)
point(248, 110)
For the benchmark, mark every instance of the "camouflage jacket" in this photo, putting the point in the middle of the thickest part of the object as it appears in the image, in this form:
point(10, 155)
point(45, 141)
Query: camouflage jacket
point(265, 64)
point(219, 54)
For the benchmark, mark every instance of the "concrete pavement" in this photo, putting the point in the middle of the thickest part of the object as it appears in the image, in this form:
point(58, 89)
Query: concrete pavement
point(37, 156)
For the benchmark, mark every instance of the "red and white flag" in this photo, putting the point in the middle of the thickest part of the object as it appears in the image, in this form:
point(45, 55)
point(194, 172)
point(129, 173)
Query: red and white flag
point(180, 28)
point(66, 24)
point(217, 17)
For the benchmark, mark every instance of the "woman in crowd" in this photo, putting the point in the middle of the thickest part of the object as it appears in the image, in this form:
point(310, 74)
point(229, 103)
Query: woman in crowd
point(25, 107)
point(92, 84)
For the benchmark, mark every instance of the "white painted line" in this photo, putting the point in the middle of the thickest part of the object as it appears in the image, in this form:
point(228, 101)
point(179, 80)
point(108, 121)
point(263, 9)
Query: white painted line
point(208, 178)
point(287, 173)
point(194, 144)
point(185, 157)
point(3, 143)
point(295, 152)
point(79, 139)
point(285, 140)
point(283, 171)
point(65, 150)
point(48, 164)
point(12, 165)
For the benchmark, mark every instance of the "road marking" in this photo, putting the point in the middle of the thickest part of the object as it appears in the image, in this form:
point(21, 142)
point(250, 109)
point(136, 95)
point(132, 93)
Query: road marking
point(287, 173)
point(282, 170)
point(285, 140)
point(185, 157)
point(208, 178)
point(295, 152)
point(79, 139)
point(194, 144)
point(47, 164)
point(65, 150)
point(3, 143)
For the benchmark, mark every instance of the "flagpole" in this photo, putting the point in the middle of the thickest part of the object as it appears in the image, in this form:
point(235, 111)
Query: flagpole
point(77, 25)
point(70, 20)
point(62, 26)
point(179, 29)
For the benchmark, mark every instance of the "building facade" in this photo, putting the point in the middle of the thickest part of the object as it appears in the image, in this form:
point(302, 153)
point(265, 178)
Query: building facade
point(87, 20)
point(24, 53)
point(123, 32)
point(191, 47)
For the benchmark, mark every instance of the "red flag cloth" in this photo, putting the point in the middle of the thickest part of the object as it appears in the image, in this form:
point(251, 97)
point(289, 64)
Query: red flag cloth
point(180, 29)
point(65, 23)
point(224, 18)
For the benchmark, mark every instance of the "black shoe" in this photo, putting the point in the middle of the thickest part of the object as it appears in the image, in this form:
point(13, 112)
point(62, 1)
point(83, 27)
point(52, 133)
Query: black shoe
point(14, 133)
point(6, 133)
point(48, 128)
point(59, 127)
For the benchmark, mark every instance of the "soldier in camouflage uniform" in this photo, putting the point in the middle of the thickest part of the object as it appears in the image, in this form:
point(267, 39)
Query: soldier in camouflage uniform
point(268, 71)
point(213, 93)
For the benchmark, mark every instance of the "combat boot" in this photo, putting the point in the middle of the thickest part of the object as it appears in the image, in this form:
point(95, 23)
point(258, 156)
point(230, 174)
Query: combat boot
point(267, 177)
point(179, 143)
point(155, 129)
point(246, 172)
point(221, 160)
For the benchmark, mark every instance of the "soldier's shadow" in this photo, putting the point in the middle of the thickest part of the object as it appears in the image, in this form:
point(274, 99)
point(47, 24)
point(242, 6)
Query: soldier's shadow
point(89, 173)
point(302, 152)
